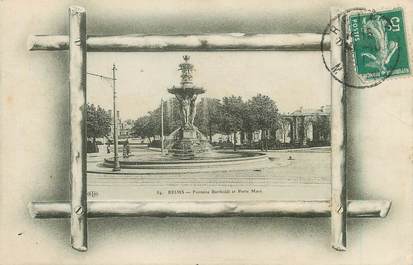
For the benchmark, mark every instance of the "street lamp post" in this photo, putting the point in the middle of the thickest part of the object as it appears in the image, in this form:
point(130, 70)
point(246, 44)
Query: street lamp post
point(116, 165)
point(162, 136)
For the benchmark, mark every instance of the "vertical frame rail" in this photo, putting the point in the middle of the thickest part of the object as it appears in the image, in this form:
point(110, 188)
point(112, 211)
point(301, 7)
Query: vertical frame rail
point(77, 75)
point(338, 133)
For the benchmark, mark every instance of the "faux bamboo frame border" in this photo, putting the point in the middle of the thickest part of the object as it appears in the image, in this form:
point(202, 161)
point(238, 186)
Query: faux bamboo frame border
point(78, 209)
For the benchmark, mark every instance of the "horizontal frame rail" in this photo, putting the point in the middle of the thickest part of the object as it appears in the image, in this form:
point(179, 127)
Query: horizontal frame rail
point(203, 42)
point(96, 209)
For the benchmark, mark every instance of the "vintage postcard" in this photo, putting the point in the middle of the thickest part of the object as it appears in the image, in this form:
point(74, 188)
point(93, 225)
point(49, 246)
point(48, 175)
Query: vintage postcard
point(266, 132)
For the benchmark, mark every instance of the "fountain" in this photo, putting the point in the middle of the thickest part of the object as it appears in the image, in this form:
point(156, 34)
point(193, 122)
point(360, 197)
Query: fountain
point(187, 141)
point(188, 149)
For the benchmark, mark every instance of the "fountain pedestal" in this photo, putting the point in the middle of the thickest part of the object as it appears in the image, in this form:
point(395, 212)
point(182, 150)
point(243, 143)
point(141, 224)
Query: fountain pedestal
point(189, 143)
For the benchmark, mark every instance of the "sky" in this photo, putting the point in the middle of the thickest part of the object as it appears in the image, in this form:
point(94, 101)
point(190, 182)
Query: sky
point(291, 79)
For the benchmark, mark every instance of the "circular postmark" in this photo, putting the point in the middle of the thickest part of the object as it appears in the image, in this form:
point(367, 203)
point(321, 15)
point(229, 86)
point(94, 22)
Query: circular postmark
point(376, 53)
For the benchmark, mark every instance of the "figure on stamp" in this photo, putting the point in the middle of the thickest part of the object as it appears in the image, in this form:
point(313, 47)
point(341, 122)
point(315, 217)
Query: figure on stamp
point(376, 28)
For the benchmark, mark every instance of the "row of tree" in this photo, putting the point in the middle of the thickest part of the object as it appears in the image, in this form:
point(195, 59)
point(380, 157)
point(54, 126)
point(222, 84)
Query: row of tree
point(227, 116)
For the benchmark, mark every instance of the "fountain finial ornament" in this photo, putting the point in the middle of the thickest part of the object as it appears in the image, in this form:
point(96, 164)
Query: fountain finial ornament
point(186, 69)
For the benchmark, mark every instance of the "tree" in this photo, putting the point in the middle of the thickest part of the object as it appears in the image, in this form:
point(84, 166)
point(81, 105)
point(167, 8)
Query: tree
point(142, 128)
point(172, 119)
point(207, 118)
point(233, 109)
point(264, 114)
point(98, 122)
point(323, 128)
point(248, 123)
point(149, 125)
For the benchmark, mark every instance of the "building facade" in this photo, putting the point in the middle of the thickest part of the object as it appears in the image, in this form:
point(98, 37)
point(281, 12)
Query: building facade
point(301, 128)
point(306, 127)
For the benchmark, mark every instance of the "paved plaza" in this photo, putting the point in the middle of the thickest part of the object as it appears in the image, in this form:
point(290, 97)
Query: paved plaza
point(301, 174)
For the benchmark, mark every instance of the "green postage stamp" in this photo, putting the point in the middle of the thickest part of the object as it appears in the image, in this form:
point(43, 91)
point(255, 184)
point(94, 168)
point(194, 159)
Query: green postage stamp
point(380, 44)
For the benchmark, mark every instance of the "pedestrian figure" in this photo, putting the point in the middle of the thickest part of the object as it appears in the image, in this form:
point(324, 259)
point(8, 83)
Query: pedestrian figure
point(108, 148)
point(126, 149)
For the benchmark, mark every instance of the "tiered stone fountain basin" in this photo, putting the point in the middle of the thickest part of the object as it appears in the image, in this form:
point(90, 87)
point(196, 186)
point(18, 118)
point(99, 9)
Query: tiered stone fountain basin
point(154, 162)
